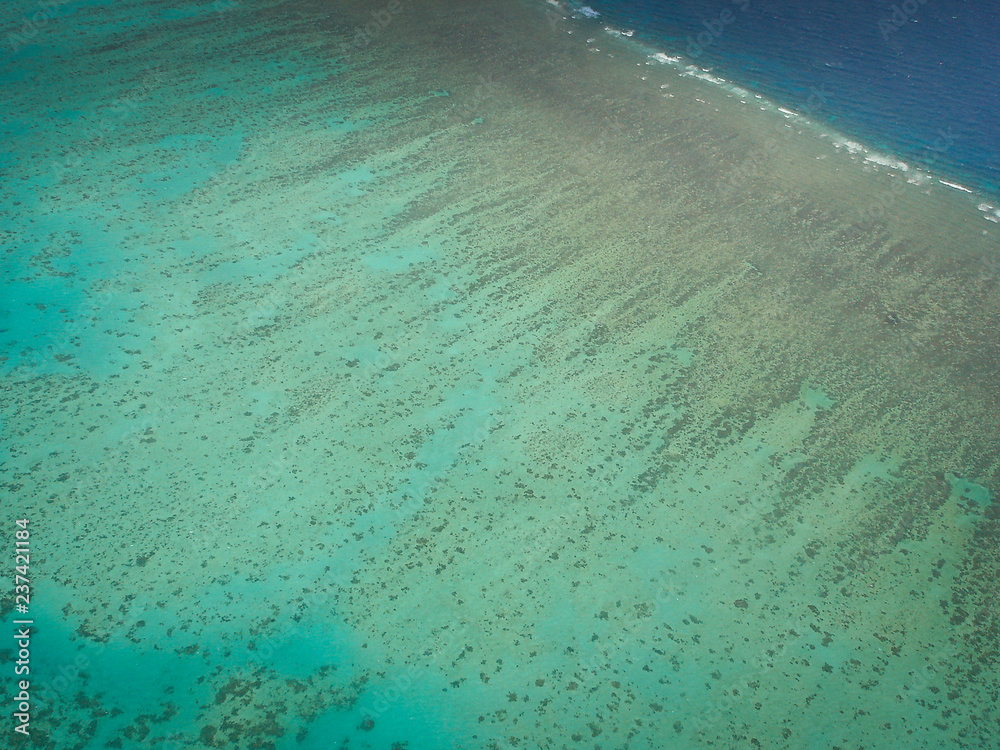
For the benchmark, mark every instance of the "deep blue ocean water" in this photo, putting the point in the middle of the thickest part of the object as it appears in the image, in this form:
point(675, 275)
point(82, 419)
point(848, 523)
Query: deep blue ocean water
point(917, 78)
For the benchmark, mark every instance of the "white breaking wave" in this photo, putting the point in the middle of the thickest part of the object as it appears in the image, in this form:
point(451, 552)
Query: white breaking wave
point(664, 58)
point(954, 185)
point(704, 75)
point(990, 212)
point(917, 175)
point(618, 32)
point(887, 161)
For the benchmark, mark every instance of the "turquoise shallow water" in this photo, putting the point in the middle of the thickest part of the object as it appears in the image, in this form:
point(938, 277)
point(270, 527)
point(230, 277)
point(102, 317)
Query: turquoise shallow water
point(369, 390)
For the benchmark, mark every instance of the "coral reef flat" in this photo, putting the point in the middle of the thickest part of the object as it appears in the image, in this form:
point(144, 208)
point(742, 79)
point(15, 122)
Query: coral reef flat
point(451, 375)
